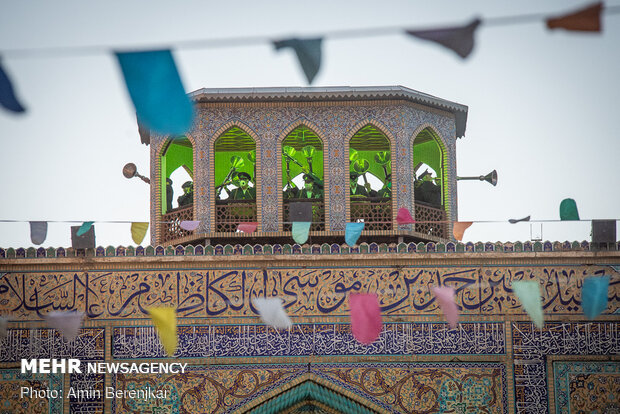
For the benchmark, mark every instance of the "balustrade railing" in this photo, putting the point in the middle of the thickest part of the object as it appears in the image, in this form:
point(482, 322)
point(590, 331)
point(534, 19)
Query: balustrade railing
point(170, 225)
point(318, 214)
point(229, 213)
point(433, 220)
point(375, 212)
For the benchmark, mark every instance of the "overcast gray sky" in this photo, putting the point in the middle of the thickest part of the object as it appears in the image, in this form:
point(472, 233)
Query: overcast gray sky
point(543, 106)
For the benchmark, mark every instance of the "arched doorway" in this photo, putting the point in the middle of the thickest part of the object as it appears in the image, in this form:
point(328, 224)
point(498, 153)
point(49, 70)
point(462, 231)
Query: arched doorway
point(235, 179)
point(302, 175)
point(177, 198)
point(430, 183)
point(370, 179)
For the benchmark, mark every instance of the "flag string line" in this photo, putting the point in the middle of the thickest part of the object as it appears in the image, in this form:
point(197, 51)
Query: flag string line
point(315, 222)
point(255, 40)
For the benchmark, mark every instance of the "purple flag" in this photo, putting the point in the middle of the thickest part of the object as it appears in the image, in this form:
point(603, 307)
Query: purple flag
point(38, 231)
point(458, 39)
point(190, 225)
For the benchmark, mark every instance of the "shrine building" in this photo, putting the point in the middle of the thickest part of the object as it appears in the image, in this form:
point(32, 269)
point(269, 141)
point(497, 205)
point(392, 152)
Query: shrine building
point(255, 162)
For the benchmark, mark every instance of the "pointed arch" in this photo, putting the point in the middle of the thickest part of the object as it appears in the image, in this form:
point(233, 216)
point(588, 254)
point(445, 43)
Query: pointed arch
point(234, 139)
point(372, 139)
point(429, 148)
point(310, 390)
point(173, 153)
point(319, 168)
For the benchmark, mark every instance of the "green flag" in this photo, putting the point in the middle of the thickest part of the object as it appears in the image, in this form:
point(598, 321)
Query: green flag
point(300, 230)
point(568, 210)
point(528, 293)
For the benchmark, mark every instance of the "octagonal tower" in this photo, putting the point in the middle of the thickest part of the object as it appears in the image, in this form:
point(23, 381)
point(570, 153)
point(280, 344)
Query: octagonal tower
point(348, 154)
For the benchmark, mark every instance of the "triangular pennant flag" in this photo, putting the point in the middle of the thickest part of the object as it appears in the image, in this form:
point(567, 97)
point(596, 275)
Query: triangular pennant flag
point(459, 227)
point(584, 20)
point(308, 53)
point(3, 327)
point(404, 216)
point(568, 210)
point(301, 230)
point(513, 221)
point(7, 94)
point(144, 132)
point(67, 323)
point(272, 312)
point(84, 227)
point(249, 227)
point(165, 321)
point(458, 39)
point(156, 90)
point(366, 321)
point(352, 232)
point(38, 231)
point(445, 297)
point(528, 293)
point(594, 295)
point(138, 231)
point(190, 225)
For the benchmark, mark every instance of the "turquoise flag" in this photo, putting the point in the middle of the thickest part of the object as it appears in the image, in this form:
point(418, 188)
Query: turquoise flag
point(568, 210)
point(352, 233)
point(84, 227)
point(528, 293)
point(156, 91)
point(594, 296)
point(300, 230)
point(308, 53)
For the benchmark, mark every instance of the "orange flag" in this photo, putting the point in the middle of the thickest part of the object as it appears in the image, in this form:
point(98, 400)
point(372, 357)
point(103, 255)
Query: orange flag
point(459, 227)
point(585, 20)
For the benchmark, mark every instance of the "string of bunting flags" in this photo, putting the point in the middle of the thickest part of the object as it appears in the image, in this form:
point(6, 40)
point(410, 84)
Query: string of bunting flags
point(300, 230)
point(364, 312)
point(162, 105)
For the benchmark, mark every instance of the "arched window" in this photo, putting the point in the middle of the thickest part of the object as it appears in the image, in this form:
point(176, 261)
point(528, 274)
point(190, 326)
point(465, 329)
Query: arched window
point(370, 179)
point(302, 175)
point(176, 187)
point(235, 179)
point(430, 183)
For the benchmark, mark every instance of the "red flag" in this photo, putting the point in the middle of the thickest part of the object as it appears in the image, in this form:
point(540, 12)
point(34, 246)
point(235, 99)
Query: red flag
point(585, 20)
point(365, 317)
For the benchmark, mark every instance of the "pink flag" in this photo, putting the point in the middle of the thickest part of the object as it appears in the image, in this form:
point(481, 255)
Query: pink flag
point(247, 227)
point(445, 297)
point(67, 323)
point(365, 317)
point(404, 216)
point(190, 225)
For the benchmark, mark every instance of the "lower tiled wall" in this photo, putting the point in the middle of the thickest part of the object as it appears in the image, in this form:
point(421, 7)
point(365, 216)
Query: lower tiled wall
point(420, 367)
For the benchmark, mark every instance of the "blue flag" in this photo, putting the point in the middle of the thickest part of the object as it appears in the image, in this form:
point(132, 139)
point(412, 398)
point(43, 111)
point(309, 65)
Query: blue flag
point(156, 91)
point(594, 296)
point(7, 95)
point(352, 233)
